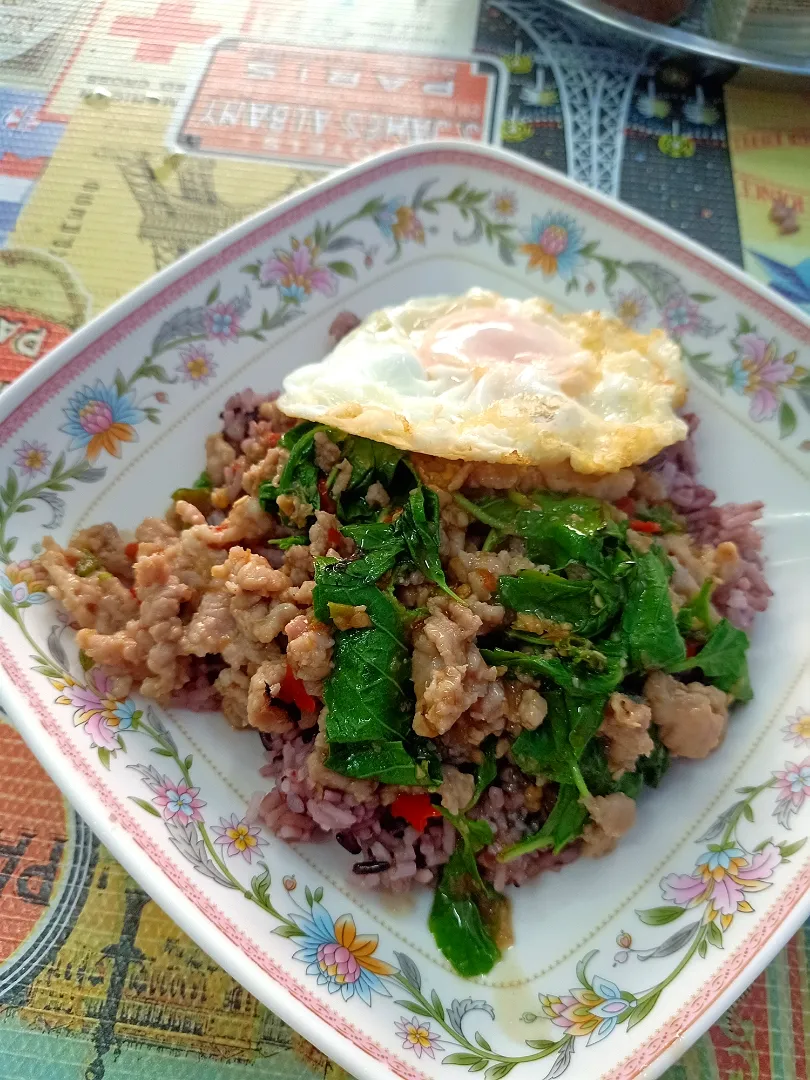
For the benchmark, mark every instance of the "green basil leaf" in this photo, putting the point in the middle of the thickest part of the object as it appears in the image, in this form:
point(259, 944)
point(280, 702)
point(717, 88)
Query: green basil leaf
point(461, 916)
point(562, 827)
point(284, 543)
point(291, 437)
point(418, 526)
point(653, 767)
point(723, 660)
point(696, 616)
point(553, 750)
point(391, 762)
point(370, 537)
point(587, 606)
point(648, 622)
point(596, 773)
point(649, 770)
point(371, 462)
point(537, 753)
point(557, 529)
point(585, 716)
point(300, 475)
point(486, 771)
point(365, 571)
point(499, 513)
point(368, 695)
point(467, 913)
point(579, 674)
point(475, 831)
point(563, 528)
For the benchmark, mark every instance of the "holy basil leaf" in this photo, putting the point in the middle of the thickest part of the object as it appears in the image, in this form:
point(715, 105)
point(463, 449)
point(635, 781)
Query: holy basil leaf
point(408, 616)
point(653, 767)
point(353, 508)
point(371, 462)
point(723, 660)
point(475, 833)
point(581, 513)
point(291, 437)
point(587, 606)
point(299, 477)
point(478, 833)
point(585, 716)
point(486, 771)
point(468, 915)
point(369, 696)
point(370, 537)
point(696, 616)
point(553, 750)
point(587, 655)
point(648, 622)
point(418, 526)
point(203, 481)
point(283, 543)
point(364, 571)
point(382, 548)
point(497, 512)
point(597, 775)
point(557, 529)
point(563, 528)
point(577, 674)
point(390, 762)
point(666, 563)
point(414, 534)
point(648, 770)
point(537, 753)
point(562, 826)
point(459, 919)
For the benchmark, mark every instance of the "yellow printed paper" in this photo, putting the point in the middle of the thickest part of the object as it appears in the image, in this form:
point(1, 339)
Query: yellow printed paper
point(769, 136)
point(117, 206)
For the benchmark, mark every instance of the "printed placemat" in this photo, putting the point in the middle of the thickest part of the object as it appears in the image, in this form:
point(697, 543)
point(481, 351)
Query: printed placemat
point(123, 144)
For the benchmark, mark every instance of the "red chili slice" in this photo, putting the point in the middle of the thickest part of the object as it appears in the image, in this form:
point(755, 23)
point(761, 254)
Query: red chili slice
point(334, 537)
point(131, 551)
point(327, 502)
point(415, 809)
point(625, 504)
point(271, 438)
point(293, 692)
point(488, 580)
point(692, 648)
point(645, 526)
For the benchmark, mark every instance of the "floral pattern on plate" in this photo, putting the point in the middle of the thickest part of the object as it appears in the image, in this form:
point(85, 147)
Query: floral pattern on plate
point(738, 858)
point(727, 874)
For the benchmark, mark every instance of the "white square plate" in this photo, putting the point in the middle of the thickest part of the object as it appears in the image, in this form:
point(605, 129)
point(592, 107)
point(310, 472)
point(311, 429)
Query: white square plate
point(114, 419)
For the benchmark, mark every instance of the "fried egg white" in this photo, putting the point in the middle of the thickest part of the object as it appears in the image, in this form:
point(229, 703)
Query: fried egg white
point(485, 378)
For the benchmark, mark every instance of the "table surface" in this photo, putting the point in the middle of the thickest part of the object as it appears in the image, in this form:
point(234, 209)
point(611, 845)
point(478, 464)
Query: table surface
point(125, 140)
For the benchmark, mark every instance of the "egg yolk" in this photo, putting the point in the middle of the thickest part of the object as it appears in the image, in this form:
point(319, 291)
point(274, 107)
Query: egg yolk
point(477, 340)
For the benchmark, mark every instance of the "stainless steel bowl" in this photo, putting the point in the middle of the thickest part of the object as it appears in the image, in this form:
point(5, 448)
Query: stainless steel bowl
point(675, 40)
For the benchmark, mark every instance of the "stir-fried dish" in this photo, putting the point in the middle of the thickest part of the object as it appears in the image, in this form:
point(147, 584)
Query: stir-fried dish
point(461, 579)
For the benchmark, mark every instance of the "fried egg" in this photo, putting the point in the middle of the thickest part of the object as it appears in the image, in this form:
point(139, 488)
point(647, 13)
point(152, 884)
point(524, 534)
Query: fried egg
point(481, 377)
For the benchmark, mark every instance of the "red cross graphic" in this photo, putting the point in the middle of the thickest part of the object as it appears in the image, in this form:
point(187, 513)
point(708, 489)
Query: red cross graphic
point(160, 34)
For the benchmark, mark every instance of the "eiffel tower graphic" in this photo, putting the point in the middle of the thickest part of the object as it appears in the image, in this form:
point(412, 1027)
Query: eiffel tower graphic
point(176, 221)
point(595, 75)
